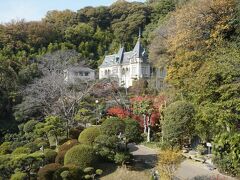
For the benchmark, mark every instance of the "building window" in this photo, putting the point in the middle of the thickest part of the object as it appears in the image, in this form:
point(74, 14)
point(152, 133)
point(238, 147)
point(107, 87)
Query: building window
point(134, 70)
point(86, 73)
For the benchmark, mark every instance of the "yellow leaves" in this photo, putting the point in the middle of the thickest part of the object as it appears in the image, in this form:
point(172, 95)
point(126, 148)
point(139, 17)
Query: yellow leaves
point(168, 162)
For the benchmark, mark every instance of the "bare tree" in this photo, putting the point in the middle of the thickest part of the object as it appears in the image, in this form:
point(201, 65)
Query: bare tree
point(50, 94)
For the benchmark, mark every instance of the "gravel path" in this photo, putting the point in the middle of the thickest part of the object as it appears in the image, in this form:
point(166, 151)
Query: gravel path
point(188, 169)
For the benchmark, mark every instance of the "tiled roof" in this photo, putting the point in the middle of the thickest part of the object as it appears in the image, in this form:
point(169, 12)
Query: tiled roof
point(123, 57)
point(79, 68)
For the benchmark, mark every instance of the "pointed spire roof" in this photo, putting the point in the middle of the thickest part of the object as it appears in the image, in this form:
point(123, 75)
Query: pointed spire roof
point(138, 49)
point(121, 53)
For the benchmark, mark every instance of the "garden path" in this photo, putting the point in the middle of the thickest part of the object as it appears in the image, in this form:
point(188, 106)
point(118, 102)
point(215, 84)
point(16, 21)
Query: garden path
point(188, 169)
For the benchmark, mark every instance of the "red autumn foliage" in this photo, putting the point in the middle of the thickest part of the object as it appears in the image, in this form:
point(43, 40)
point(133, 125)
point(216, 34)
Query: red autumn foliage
point(118, 111)
point(157, 104)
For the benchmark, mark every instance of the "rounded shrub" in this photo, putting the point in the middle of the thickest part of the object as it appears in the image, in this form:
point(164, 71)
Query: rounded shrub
point(68, 172)
point(19, 176)
point(21, 150)
point(50, 155)
point(63, 149)
point(88, 135)
point(47, 171)
point(99, 172)
point(80, 155)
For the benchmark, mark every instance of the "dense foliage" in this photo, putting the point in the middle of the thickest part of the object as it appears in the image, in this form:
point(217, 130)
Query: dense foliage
point(198, 43)
point(200, 48)
point(88, 135)
point(178, 123)
point(81, 155)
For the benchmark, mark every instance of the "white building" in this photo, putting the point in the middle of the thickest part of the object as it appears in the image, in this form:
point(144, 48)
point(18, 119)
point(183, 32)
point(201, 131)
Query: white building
point(126, 67)
point(78, 73)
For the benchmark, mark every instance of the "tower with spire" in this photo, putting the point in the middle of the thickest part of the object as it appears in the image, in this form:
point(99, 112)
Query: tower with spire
point(126, 67)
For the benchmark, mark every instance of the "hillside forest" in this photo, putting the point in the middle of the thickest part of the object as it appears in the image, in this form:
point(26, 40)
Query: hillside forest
point(197, 41)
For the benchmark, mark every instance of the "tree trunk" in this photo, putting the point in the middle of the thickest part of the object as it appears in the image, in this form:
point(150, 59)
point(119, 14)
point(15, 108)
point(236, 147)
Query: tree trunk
point(144, 124)
point(149, 129)
point(56, 140)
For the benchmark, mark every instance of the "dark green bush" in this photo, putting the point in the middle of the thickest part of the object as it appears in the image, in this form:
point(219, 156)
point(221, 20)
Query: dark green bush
point(113, 126)
point(32, 146)
point(132, 131)
point(224, 165)
point(47, 171)
point(17, 144)
point(74, 132)
point(21, 150)
point(121, 158)
point(226, 153)
point(19, 176)
point(88, 135)
point(40, 142)
point(50, 155)
point(106, 146)
point(5, 148)
point(68, 172)
point(29, 126)
point(80, 155)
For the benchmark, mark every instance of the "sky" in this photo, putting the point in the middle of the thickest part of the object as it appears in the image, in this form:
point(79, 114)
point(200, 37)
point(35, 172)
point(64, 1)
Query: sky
point(36, 9)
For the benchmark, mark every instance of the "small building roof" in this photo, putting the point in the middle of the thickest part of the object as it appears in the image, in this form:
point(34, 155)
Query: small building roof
point(79, 68)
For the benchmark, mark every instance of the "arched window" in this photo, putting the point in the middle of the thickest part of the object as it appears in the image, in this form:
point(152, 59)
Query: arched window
point(123, 71)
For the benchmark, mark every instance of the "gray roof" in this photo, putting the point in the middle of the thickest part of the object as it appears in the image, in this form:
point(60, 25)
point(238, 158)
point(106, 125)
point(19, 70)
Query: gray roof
point(123, 57)
point(79, 68)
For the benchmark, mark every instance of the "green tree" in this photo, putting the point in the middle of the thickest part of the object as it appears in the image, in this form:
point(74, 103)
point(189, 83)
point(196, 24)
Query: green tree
point(113, 126)
point(52, 126)
point(226, 153)
point(178, 123)
point(132, 131)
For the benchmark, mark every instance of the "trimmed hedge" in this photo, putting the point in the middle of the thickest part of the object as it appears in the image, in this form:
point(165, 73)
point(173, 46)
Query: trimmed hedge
point(19, 176)
point(47, 172)
point(68, 145)
point(88, 135)
point(63, 149)
point(60, 157)
point(21, 150)
point(50, 155)
point(80, 155)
